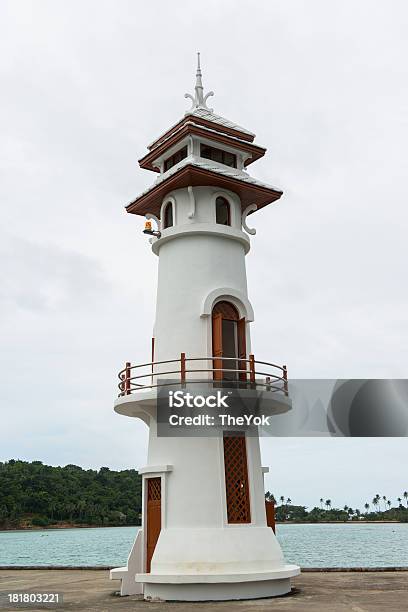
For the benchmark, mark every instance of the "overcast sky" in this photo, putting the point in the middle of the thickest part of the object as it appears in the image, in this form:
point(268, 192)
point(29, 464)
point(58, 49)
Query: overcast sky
point(85, 86)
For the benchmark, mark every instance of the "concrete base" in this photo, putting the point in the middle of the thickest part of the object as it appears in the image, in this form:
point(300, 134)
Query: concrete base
point(218, 587)
point(216, 592)
point(127, 574)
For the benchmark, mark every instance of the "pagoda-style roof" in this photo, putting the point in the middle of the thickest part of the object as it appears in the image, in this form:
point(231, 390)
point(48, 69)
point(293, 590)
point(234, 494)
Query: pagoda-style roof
point(189, 125)
point(196, 171)
point(207, 118)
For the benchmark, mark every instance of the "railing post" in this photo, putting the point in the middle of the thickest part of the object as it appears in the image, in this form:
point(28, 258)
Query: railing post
point(285, 379)
point(183, 369)
point(252, 369)
point(128, 365)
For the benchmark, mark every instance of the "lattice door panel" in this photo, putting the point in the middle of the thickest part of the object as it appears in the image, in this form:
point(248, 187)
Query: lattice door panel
point(236, 479)
point(154, 489)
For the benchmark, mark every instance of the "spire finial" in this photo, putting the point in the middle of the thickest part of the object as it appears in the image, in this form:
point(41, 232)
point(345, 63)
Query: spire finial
point(199, 99)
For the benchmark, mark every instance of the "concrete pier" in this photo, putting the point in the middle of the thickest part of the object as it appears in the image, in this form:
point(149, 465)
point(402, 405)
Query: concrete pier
point(313, 591)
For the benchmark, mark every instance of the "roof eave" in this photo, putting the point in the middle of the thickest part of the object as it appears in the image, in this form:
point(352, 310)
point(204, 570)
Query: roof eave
point(256, 151)
point(192, 175)
point(216, 126)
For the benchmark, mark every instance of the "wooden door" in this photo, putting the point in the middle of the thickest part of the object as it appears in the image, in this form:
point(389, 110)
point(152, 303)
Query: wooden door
point(270, 514)
point(236, 479)
point(153, 518)
point(217, 345)
point(242, 353)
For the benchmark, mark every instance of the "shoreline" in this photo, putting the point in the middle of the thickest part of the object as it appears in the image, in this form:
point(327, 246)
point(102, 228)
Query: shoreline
point(73, 526)
point(393, 522)
point(61, 527)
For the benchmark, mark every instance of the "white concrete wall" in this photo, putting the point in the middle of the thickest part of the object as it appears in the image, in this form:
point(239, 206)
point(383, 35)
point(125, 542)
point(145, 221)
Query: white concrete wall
point(200, 257)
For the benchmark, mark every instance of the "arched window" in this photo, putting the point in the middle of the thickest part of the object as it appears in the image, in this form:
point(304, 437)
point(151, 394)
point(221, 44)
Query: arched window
point(222, 211)
point(229, 342)
point(168, 215)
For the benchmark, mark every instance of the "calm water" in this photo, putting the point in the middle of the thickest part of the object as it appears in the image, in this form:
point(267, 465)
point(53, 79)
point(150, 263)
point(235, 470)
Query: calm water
point(305, 545)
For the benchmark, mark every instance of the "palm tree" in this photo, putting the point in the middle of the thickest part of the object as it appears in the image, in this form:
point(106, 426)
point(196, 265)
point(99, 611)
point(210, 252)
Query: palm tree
point(385, 501)
point(367, 507)
point(405, 495)
point(375, 502)
point(345, 508)
point(399, 500)
point(288, 501)
point(321, 502)
point(282, 499)
point(328, 503)
point(389, 504)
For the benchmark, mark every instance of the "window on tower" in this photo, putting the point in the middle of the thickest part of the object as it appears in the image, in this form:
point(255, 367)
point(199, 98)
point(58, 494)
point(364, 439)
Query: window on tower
point(175, 158)
point(222, 211)
point(168, 215)
point(218, 155)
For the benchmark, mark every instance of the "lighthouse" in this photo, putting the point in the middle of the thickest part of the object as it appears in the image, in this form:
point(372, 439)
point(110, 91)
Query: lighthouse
point(205, 531)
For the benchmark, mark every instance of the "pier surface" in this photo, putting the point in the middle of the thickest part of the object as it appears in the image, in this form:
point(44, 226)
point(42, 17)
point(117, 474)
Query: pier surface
point(91, 590)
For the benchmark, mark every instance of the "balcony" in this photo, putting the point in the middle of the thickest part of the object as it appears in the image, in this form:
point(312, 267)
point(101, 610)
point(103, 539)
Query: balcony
point(133, 378)
point(139, 384)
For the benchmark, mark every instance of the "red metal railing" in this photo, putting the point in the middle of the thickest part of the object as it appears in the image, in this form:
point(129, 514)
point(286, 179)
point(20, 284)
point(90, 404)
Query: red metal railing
point(131, 380)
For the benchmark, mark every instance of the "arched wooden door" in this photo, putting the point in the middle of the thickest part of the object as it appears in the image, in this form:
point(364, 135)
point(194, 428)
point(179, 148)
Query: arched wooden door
point(153, 518)
point(228, 342)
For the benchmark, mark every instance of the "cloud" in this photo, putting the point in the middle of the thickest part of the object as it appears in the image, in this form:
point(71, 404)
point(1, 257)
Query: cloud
point(324, 86)
point(44, 277)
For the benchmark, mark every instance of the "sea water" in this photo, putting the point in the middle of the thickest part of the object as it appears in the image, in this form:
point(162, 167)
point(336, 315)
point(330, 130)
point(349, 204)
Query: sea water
point(316, 545)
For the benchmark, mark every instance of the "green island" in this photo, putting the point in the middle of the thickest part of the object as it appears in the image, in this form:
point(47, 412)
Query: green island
point(34, 495)
point(38, 496)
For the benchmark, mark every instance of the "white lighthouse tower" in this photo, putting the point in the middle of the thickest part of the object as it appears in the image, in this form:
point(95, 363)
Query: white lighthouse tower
point(205, 534)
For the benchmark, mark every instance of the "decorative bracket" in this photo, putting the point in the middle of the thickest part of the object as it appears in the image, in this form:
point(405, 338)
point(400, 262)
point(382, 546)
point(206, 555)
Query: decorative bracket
point(249, 209)
point(191, 214)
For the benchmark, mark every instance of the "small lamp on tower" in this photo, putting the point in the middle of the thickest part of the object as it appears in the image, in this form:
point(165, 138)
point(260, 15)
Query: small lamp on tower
point(148, 230)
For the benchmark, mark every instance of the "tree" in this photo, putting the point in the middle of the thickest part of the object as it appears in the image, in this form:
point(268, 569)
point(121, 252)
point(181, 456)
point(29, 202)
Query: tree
point(282, 499)
point(367, 506)
point(405, 495)
point(47, 493)
point(328, 503)
point(385, 501)
point(321, 502)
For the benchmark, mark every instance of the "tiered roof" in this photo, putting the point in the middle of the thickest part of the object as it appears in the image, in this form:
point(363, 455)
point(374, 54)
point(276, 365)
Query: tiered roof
point(197, 171)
